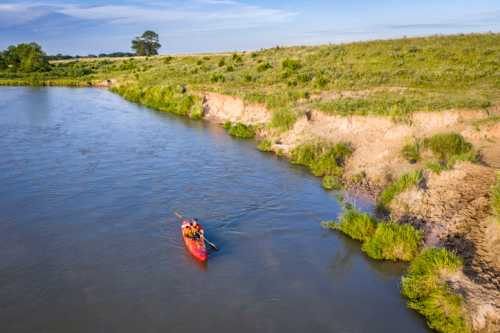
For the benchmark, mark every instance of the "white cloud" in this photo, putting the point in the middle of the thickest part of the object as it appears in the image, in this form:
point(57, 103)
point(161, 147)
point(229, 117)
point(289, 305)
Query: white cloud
point(211, 12)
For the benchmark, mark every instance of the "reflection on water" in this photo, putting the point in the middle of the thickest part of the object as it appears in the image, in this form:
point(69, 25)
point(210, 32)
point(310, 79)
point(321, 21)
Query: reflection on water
point(88, 241)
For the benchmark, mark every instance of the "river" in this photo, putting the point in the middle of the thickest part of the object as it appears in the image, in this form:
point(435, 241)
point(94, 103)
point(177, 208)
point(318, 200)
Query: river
point(88, 241)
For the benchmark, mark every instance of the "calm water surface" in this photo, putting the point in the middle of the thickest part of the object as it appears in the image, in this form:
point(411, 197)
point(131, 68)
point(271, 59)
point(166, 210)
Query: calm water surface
point(88, 242)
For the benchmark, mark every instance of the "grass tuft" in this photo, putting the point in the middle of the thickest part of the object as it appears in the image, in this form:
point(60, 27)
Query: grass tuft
point(283, 119)
point(449, 147)
point(239, 130)
point(323, 159)
point(265, 146)
point(428, 294)
point(355, 224)
point(402, 184)
point(393, 241)
point(332, 183)
point(411, 152)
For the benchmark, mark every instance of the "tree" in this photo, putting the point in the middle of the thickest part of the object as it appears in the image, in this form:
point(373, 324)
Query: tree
point(26, 58)
point(3, 65)
point(147, 44)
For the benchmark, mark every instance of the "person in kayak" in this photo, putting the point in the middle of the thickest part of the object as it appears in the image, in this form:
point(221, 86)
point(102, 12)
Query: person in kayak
point(193, 230)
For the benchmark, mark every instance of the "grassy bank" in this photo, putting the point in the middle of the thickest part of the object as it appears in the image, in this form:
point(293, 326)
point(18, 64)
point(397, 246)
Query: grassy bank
point(431, 74)
point(381, 240)
point(424, 283)
point(428, 293)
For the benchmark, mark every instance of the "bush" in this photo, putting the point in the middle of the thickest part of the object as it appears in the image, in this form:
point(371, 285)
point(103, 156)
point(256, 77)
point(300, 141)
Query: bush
point(402, 184)
point(196, 112)
point(264, 67)
point(393, 241)
point(411, 152)
point(265, 146)
point(291, 64)
point(449, 148)
point(240, 130)
point(322, 159)
point(331, 183)
point(283, 119)
point(355, 224)
point(217, 77)
point(428, 294)
point(222, 62)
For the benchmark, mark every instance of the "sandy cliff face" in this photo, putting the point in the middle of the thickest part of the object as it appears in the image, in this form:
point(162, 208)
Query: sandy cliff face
point(452, 207)
point(220, 108)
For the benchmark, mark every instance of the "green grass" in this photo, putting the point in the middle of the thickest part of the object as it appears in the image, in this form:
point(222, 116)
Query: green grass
point(355, 224)
point(393, 241)
point(400, 185)
point(331, 183)
point(323, 159)
point(411, 152)
point(381, 240)
point(428, 294)
point(445, 149)
point(265, 146)
point(239, 130)
point(163, 98)
point(401, 105)
point(283, 119)
point(495, 198)
point(448, 146)
point(439, 72)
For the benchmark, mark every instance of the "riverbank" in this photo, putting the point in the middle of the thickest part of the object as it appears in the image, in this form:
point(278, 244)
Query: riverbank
point(450, 202)
point(413, 123)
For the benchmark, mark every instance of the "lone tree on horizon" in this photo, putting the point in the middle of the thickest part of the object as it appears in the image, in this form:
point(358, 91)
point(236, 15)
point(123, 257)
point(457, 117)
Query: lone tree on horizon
point(147, 44)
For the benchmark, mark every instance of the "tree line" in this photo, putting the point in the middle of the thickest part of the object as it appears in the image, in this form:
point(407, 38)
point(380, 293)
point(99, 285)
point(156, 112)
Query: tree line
point(29, 57)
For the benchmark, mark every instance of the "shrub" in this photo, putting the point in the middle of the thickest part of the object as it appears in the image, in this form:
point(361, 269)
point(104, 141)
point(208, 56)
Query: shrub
point(428, 294)
point(264, 67)
point(240, 130)
point(447, 146)
point(305, 77)
point(291, 64)
point(331, 183)
point(196, 111)
point(393, 241)
point(322, 159)
point(265, 146)
point(217, 77)
point(222, 62)
point(411, 152)
point(355, 224)
point(402, 184)
point(248, 78)
point(237, 58)
point(283, 119)
point(322, 82)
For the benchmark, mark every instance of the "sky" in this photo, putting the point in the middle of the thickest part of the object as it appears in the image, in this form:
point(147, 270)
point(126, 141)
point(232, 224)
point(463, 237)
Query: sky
point(95, 26)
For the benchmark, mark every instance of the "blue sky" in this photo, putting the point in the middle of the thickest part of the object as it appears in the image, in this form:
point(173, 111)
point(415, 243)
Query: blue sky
point(83, 27)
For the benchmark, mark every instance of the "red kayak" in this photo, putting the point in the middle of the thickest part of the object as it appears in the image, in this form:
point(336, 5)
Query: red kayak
point(195, 246)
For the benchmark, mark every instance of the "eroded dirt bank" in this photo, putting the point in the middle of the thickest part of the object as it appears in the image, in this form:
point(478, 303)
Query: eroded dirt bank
point(452, 207)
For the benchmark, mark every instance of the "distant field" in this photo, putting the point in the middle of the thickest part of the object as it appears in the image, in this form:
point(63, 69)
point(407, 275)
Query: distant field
point(396, 77)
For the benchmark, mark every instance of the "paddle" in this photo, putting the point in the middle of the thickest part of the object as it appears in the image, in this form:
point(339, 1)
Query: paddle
point(180, 217)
